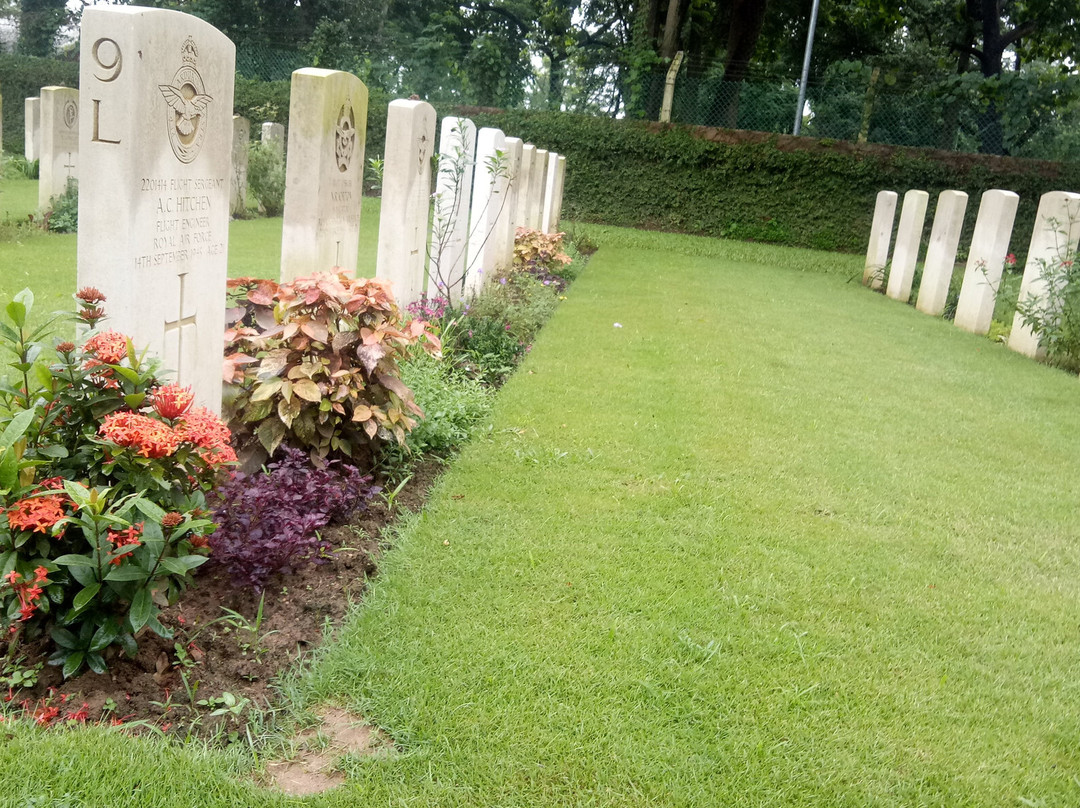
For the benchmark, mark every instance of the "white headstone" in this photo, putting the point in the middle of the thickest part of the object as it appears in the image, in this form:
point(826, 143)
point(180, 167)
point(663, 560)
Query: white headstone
point(156, 142)
point(986, 259)
point(908, 242)
point(273, 134)
point(556, 207)
point(241, 140)
point(528, 159)
point(488, 199)
point(537, 185)
point(453, 198)
point(59, 142)
point(507, 222)
point(1054, 239)
point(406, 197)
point(32, 128)
point(941, 254)
point(550, 179)
point(324, 172)
point(877, 251)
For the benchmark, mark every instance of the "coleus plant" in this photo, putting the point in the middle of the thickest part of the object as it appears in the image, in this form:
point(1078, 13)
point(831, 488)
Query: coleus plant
point(313, 363)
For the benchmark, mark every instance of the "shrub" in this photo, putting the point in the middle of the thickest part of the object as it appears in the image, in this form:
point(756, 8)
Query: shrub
point(313, 364)
point(541, 255)
point(1055, 317)
point(452, 403)
point(63, 217)
point(520, 302)
point(103, 474)
point(268, 522)
point(486, 349)
point(266, 177)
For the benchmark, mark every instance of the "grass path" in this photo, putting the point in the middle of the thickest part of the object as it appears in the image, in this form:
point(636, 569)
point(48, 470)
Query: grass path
point(774, 541)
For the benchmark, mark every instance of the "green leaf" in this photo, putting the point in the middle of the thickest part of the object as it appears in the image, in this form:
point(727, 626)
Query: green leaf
point(85, 596)
point(174, 565)
point(16, 428)
point(142, 608)
point(80, 494)
point(135, 400)
point(193, 561)
point(104, 636)
point(73, 663)
point(266, 390)
point(127, 373)
point(127, 642)
point(96, 662)
point(271, 432)
point(64, 638)
point(55, 451)
point(127, 572)
point(9, 469)
point(17, 312)
point(74, 560)
point(151, 510)
point(157, 628)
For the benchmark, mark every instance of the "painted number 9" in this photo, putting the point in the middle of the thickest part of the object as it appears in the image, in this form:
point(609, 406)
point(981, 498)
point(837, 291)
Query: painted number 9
point(106, 53)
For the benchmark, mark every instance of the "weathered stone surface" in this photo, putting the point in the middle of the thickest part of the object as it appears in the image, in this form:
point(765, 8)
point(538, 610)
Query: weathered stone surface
point(241, 141)
point(453, 198)
point(156, 141)
point(507, 224)
point(32, 128)
point(556, 207)
point(273, 134)
point(941, 254)
point(324, 172)
point(1054, 239)
point(406, 198)
point(908, 242)
point(59, 142)
point(986, 259)
point(488, 199)
point(551, 177)
point(877, 251)
point(537, 186)
point(525, 174)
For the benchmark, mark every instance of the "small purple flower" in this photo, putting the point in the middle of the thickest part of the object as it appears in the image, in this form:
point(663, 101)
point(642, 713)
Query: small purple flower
point(502, 281)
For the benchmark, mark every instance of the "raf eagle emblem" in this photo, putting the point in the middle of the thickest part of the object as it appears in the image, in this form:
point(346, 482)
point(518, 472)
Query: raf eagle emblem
point(186, 102)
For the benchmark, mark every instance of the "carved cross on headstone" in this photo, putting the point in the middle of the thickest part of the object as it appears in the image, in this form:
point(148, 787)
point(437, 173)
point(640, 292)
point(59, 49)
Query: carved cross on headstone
point(179, 326)
point(70, 164)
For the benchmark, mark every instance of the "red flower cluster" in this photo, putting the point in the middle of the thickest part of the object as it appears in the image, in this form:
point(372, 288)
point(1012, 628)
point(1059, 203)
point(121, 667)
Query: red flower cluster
point(209, 433)
point(172, 400)
point(127, 539)
point(28, 590)
point(109, 347)
point(147, 436)
point(37, 514)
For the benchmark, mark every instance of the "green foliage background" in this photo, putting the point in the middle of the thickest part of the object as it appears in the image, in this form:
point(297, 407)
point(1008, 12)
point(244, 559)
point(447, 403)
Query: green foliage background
point(797, 192)
point(775, 189)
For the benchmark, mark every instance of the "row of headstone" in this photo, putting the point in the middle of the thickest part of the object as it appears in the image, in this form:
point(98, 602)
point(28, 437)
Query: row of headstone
point(1055, 237)
point(164, 167)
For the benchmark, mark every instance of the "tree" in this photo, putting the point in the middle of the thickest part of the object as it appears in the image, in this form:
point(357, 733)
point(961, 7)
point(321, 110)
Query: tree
point(39, 23)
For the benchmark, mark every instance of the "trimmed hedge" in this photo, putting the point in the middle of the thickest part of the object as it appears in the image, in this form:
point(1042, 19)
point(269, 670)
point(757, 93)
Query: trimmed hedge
point(800, 192)
point(22, 77)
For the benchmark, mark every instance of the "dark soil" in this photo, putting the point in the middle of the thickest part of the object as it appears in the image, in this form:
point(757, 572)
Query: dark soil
point(225, 656)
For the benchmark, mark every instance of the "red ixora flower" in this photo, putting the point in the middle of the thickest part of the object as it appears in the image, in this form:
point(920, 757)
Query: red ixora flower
point(125, 539)
point(109, 347)
point(90, 294)
point(37, 514)
point(172, 400)
point(147, 436)
point(28, 590)
point(209, 433)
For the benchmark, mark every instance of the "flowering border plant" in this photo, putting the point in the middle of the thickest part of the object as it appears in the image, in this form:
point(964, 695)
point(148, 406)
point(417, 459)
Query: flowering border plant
point(103, 476)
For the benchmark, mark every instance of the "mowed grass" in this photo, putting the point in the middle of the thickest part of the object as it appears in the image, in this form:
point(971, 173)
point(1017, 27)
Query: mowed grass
point(47, 262)
point(738, 535)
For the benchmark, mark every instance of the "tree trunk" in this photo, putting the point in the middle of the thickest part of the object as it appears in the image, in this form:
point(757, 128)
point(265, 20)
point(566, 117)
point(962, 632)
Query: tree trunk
point(991, 134)
point(556, 79)
point(747, 17)
point(670, 46)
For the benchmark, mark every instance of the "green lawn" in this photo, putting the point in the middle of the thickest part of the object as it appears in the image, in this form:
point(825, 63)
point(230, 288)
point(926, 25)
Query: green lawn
point(47, 262)
point(771, 541)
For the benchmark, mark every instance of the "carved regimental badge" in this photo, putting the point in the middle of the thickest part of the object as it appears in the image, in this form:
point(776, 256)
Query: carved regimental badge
point(345, 137)
point(71, 114)
point(186, 101)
